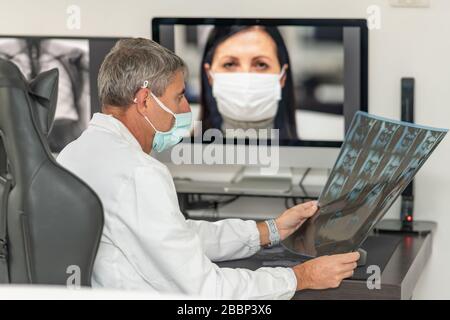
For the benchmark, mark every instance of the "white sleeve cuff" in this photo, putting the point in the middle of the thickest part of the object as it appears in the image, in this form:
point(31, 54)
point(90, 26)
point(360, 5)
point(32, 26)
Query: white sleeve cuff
point(292, 281)
point(254, 241)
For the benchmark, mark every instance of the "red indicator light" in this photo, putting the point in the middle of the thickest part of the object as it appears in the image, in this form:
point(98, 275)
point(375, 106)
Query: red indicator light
point(408, 218)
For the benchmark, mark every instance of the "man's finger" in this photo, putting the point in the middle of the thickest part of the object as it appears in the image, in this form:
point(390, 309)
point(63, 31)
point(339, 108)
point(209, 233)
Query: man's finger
point(346, 267)
point(348, 257)
point(305, 210)
point(348, 274)
point(310, 207)
point(308, 213)
point(306, 205)
point(310, 203)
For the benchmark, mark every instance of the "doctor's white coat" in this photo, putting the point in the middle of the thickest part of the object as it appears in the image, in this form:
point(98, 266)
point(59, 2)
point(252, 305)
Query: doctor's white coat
point(146, 242)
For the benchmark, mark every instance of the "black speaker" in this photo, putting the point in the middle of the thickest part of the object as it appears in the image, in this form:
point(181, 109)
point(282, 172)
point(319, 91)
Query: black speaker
point(406, 223)
point(407, 114)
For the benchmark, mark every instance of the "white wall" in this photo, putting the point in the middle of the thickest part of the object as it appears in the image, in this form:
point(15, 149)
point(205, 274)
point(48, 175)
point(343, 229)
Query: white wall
point(411, 42)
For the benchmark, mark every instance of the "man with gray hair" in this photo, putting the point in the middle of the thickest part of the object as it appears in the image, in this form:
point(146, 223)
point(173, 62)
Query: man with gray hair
point(146, 242)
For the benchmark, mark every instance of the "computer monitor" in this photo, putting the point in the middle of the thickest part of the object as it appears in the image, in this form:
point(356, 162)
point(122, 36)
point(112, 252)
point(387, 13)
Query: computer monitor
point(323, 63)
point(78, 61)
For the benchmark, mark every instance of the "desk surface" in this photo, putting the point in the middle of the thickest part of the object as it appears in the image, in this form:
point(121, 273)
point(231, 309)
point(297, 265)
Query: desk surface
point(398, 278)
point(221, 188)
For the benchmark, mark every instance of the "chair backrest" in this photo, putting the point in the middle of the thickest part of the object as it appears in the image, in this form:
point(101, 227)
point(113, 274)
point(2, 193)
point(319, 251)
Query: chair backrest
point(53, 219)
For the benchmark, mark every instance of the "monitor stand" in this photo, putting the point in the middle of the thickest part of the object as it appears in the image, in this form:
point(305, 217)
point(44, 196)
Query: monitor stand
point(250, 180)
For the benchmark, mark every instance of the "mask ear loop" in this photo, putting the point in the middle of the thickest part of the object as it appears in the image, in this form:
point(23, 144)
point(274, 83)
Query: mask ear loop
point(161, 105)
point(150, 123)
point(144, 86)
point(283, 72)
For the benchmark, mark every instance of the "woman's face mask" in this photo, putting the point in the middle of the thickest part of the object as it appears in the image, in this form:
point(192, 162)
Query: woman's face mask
point(247, 96)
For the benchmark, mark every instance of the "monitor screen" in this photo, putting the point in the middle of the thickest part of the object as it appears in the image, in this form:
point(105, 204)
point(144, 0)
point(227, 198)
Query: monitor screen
point(305, 77)
point(78, 61)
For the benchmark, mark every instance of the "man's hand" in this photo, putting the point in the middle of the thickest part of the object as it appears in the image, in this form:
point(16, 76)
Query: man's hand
point(290, 220)
point(326, 271)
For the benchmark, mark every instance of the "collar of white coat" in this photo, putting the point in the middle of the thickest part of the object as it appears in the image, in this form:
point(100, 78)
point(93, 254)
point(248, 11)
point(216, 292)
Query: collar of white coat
point(108, 122)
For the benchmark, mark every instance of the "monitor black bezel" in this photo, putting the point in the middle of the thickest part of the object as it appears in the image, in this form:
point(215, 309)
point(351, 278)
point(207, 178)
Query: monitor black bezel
point(361, 23)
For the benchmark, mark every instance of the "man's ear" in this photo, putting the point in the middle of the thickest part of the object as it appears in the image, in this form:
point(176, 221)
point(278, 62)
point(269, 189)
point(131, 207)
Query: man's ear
point(207, 68)
point(284, 77)
point(140, 99)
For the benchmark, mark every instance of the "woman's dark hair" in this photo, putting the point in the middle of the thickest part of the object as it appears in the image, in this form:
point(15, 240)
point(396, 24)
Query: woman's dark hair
point(210, 116)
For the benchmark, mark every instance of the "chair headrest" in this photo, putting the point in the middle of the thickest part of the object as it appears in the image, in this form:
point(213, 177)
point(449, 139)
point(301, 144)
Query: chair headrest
point(43, 89)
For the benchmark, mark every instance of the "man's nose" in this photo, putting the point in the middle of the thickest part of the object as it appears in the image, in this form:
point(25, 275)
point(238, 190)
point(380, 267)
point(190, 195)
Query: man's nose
point(185, 107)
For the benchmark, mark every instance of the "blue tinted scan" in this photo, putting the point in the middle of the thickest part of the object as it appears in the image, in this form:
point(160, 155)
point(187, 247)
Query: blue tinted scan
point(378, 159)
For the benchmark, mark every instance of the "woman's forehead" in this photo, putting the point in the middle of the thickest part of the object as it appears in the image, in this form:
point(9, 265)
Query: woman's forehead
point(247, 43)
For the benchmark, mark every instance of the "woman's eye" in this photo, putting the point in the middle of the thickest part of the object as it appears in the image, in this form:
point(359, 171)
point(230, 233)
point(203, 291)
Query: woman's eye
point(228, 65)
point(262, 65)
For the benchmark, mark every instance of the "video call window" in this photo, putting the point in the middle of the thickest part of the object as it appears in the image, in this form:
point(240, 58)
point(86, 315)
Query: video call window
point(288, 77)
point(78, 61)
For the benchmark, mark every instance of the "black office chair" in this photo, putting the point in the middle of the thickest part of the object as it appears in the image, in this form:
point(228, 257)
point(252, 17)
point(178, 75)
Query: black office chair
point(50, 221)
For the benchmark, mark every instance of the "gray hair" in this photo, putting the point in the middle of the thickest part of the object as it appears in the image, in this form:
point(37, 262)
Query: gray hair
point(129, 63)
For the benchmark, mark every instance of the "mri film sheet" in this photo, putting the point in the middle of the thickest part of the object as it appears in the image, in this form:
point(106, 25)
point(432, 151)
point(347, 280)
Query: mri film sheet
point(378, 159)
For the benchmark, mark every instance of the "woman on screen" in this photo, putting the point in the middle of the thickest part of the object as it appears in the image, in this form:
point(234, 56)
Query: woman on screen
point(246, 81)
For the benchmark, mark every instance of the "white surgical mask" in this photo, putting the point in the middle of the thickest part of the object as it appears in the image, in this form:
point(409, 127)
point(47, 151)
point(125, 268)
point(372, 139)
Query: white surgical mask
point(247, 96)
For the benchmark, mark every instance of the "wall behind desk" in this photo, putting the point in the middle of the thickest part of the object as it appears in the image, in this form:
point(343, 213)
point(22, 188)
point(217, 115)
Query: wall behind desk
point(411, 42)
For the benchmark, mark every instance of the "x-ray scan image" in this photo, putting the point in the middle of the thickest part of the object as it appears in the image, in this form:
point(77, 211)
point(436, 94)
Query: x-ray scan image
point(378, 159)
point(71, 58)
